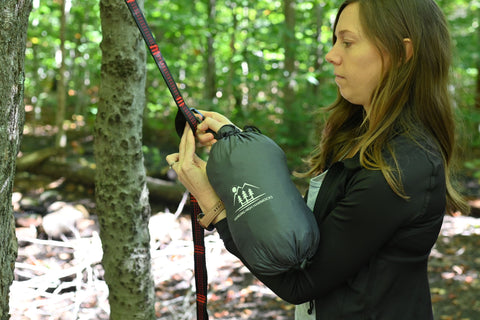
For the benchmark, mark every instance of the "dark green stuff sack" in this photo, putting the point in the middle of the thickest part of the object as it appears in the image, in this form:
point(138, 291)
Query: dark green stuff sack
point(270, 223)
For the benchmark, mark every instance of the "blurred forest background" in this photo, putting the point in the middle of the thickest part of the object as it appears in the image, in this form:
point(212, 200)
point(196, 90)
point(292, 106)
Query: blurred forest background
point(250, 60)
point(245, 61)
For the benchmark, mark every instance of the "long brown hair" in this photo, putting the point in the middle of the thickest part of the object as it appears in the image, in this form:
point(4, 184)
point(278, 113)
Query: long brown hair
point(412, 97)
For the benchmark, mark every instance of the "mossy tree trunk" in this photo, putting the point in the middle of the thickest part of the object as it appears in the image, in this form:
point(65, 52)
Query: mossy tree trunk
point(121, 191)
point(13, 34)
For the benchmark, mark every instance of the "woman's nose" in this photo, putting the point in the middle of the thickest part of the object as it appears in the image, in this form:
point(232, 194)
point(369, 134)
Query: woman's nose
point(332, 57)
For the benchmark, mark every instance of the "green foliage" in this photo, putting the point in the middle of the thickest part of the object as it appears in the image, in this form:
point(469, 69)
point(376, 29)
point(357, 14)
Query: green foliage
point(83, 58)
point(473, 165)
point(249, 53)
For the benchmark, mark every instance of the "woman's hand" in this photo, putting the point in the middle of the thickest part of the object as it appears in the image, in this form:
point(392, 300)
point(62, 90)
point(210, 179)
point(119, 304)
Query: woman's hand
point(213, 121)
point(191, 171)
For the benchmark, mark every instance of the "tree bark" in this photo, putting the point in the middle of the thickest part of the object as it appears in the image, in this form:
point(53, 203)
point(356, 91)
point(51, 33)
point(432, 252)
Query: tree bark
point(60, 139)
point(294, 115)
point(13, 34)
point(121, 189)
point(210, 72)
point(477, 91)
point(318, 54)
point(230, 85)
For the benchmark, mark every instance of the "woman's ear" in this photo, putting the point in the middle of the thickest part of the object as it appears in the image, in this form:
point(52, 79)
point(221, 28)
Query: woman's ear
point(408, 48)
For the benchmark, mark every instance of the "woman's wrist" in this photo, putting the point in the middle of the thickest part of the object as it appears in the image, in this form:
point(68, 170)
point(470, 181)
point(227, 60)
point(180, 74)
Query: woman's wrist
point(211, 215)
point(207, 200)
point(220, 217)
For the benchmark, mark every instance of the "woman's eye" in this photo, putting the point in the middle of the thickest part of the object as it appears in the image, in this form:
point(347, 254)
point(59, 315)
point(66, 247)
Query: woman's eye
point(346, 44)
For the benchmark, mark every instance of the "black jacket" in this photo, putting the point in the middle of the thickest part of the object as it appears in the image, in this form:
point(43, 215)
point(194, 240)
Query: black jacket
point(374, 245)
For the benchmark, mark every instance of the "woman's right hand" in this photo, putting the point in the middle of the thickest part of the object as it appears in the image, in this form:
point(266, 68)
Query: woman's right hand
point(213, 121)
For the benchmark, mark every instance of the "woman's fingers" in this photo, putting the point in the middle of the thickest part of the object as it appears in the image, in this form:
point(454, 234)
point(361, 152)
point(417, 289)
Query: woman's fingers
point(216, 116)
point(191, 171)
point(189, 146)
point(183, 143)
point(172, 160)
point(212, 124)
point(204, 137)
point(213, 121)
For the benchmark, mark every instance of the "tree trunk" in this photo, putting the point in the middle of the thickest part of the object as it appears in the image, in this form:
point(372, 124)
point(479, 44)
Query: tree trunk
point(121, 189)
point(294, 115)
point(13, 34)
point(60, 139)
point(318, 53)
point(477, 93)
point(230, 85)
point(210, 81)
point(289, 39)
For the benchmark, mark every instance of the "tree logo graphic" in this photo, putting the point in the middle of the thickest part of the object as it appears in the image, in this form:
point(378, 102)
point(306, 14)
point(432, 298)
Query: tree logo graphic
point(246, 197)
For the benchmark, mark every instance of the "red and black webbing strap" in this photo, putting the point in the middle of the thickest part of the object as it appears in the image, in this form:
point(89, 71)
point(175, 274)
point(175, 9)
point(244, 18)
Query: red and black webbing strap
point(201, 280)
point(161, 63)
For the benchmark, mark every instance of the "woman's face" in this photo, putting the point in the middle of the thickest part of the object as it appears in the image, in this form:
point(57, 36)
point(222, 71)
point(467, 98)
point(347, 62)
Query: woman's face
point(358, 65)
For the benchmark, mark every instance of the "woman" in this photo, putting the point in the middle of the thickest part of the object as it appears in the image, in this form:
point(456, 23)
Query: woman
point(384, 159)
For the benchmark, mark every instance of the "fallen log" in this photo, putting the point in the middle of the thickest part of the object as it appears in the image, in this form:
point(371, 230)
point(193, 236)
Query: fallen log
point(31, 160)
point(43, 162)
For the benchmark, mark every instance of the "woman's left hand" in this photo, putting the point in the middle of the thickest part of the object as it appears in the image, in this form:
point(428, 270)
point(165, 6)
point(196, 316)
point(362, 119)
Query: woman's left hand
point(191, 171)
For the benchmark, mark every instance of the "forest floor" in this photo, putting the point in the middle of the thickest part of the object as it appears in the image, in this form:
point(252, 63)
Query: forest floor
point(61, 277)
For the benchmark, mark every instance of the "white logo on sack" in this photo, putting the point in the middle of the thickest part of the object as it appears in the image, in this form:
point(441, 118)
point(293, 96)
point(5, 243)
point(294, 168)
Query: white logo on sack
point(247, 197)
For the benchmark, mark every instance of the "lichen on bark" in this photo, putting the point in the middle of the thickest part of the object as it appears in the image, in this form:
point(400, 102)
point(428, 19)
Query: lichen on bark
point(13, 34)
point(121, 192)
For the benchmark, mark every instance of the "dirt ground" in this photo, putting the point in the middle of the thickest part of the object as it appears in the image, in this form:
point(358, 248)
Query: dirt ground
point(61, 277)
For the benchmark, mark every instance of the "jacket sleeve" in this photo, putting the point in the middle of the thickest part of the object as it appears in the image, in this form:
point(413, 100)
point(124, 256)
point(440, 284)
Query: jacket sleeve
point(358, 226)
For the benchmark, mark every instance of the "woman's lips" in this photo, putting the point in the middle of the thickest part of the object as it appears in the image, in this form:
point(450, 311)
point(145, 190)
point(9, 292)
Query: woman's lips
point(338, 78)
